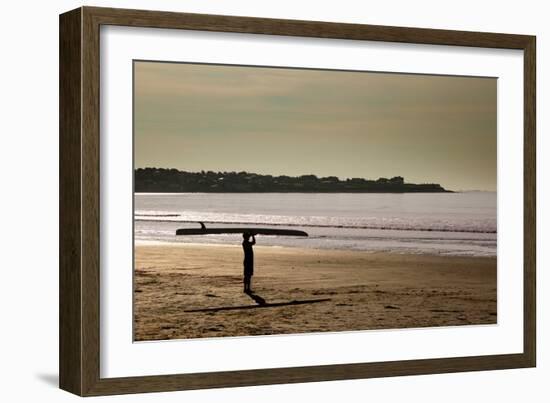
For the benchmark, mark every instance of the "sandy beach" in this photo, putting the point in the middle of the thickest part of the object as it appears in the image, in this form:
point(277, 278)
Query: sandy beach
point(311, 290)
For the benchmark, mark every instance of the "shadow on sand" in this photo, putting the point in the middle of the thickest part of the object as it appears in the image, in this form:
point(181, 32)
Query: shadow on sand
point(257, 299)
point(261, 303)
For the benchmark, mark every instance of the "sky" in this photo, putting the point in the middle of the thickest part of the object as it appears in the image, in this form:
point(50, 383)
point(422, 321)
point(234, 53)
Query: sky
point(289, 121)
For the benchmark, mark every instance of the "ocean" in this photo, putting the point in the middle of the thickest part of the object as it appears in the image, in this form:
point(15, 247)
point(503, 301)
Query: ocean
point(457, 224)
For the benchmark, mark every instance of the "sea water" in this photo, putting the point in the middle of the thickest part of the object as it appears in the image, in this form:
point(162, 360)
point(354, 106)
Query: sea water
point(432, 223)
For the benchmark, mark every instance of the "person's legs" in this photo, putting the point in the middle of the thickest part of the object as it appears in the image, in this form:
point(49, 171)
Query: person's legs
point(246, 283)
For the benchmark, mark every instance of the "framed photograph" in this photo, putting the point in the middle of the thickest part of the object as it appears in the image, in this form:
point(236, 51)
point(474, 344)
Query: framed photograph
point(248, 201)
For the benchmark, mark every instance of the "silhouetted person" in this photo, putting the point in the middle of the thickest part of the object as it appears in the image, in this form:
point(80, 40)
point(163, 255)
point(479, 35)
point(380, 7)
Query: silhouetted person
point(248, 260)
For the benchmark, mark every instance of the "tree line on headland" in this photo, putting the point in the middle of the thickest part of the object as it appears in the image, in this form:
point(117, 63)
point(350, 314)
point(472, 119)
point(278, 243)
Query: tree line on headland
point(161, 180)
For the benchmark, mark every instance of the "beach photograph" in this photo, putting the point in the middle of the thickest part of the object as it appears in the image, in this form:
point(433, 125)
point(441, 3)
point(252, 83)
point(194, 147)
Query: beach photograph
point(279, 200)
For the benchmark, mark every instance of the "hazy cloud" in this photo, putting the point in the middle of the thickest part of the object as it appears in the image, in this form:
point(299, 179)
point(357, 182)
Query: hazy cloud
point(296, 121)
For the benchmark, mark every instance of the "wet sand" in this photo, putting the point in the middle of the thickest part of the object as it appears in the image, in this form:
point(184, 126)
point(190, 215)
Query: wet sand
point(311, 291)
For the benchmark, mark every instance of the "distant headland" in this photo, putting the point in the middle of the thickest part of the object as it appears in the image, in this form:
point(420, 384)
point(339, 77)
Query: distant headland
point(161, 180)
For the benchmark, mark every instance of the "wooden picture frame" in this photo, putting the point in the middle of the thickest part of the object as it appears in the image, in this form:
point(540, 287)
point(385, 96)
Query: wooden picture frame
point(79, 348)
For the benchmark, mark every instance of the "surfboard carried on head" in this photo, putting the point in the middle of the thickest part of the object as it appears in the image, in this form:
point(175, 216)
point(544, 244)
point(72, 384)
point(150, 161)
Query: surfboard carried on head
point(240, 230)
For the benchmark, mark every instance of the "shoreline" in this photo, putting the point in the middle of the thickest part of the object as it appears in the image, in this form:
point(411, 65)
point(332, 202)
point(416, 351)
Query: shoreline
point(183, 244)
point(195, 291)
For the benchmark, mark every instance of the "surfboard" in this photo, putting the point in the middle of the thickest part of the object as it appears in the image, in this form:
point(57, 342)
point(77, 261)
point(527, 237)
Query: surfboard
point(251, 230)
